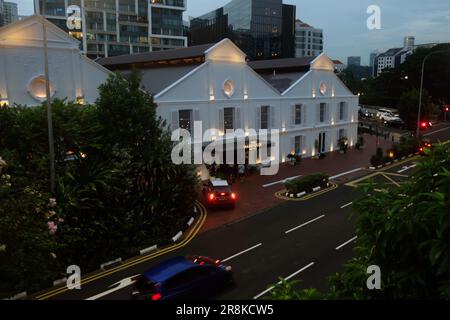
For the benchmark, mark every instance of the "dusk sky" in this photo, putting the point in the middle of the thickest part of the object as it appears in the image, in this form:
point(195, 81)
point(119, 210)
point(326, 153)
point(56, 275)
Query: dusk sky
point(344, 22)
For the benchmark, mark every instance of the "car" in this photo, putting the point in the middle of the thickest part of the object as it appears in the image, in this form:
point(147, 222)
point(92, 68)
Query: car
point(395, 123)
point(386, 115)
point(217, 193)
point(186, 278)
point(425, 147)
point(364, 113)
point(425, 124)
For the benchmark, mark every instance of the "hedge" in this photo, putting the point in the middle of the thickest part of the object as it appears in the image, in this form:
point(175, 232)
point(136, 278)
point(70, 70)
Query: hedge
point(307, 183)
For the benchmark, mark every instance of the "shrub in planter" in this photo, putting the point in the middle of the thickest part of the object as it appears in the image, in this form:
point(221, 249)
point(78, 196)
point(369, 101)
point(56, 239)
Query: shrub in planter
point(377, 159)
point(307, 183)
point(343, 144)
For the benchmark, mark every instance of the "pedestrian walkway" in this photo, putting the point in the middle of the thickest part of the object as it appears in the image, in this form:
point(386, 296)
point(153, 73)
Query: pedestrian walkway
point(257, 193)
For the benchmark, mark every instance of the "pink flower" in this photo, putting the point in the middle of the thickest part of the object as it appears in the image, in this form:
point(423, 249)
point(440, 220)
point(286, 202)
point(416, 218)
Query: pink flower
point(52, 227)
point(52, 202)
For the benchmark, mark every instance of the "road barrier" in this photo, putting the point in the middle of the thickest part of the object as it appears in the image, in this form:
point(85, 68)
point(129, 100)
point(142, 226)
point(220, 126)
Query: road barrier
point(110, 263)
point(148, 250)
point(59, 282)
point(177, 236)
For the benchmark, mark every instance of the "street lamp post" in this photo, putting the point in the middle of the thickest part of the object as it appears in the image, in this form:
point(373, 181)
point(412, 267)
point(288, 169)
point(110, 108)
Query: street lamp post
point(49, 106)
point(421, 88)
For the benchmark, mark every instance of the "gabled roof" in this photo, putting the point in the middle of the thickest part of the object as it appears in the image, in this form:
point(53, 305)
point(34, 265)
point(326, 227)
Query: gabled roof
point(25, 32)
point(156, 56)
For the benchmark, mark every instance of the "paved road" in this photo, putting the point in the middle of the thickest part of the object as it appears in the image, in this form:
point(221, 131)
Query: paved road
point(295, 240)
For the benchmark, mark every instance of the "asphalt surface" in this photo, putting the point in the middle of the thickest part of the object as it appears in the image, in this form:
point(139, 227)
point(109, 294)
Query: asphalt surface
point(296, 240)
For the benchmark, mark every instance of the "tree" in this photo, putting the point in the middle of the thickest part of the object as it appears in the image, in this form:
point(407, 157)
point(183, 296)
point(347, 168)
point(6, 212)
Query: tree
point(117, 188)
point(406, 232)
point(408, 107)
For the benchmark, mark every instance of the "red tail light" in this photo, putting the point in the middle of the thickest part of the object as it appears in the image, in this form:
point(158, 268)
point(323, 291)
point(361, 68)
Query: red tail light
point(233, 196)
point(212, 196)
point(424, 124)
point(223, 193)
point(156, 296)
point(421, 149)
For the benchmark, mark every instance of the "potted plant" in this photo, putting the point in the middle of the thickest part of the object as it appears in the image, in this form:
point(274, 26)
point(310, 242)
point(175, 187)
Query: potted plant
point(343, 145)
point(291, 158)
point(360, 143)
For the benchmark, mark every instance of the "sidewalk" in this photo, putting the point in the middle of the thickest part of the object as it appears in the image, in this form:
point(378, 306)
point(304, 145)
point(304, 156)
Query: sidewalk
point(254, 198)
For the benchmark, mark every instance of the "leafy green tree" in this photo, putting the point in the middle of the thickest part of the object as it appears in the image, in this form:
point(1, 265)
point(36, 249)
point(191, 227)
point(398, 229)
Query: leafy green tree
point(117, 188)
point(408, 107)
point(406, 232)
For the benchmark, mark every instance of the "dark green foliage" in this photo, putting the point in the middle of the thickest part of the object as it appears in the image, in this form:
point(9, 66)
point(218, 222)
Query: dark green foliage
point(306, 183)
point(406, 232)
point(119, 192)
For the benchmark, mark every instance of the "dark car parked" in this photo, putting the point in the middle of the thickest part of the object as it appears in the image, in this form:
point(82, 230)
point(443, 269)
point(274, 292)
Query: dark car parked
point(395, 123)
point(184, 278)
point(217, 193)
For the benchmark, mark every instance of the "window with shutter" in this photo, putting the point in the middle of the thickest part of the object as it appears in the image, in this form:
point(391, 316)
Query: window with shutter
point(221, 121)
point(175, 124)
point(298, 114)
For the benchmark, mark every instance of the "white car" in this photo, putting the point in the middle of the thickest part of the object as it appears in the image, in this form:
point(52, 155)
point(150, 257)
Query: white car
point(387, 115)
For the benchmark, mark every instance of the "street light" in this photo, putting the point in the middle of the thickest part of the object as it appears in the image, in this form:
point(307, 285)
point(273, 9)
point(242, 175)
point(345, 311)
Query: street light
point(421, 87)
point(51, 142)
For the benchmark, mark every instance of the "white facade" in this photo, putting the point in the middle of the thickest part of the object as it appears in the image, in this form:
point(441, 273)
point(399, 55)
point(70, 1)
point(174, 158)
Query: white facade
point(225, 93)
point(308, 40)
point(22, 81)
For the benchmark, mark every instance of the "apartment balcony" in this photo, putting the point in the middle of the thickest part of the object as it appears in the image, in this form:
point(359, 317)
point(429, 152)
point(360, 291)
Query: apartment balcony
point(174, 4)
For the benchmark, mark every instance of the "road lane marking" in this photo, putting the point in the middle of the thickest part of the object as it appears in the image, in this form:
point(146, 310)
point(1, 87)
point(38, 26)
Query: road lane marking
point(305, 224)
point(280, 181)
point(346, 243)
point(390, 179)
point(117, 286)
point(431, 133)
point(346, 205)
point(191, 234)
point(285, 279)
point(345, 173)
point(242, 252)
point(406, 168)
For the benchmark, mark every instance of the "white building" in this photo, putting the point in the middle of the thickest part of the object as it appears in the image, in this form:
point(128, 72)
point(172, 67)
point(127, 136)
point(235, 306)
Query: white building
point(303, 98)
point(308, 40)
point(390, 59)
point(72, 75)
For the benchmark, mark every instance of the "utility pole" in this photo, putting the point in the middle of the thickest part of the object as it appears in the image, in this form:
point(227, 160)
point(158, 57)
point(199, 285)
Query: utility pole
point(51, 142)
point(421, 88)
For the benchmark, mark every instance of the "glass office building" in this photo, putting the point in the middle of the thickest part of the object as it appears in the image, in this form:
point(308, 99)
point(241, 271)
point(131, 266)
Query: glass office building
point(116, 27)
point(263, 29)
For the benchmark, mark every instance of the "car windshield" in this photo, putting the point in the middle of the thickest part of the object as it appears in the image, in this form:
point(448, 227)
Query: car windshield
point(222, 189)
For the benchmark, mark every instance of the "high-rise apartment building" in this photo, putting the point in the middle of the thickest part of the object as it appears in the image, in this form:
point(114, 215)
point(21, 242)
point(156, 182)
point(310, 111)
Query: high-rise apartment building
point(8, 12)
point(262, 29)
point(308, 40)
point(115, 27)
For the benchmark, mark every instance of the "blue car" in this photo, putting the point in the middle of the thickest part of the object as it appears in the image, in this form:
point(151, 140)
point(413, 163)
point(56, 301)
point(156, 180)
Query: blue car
point(184, 278)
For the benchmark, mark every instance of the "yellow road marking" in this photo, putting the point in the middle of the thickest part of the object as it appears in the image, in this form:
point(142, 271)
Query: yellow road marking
point(390, 179)
point(192, 233)
point(280, 194)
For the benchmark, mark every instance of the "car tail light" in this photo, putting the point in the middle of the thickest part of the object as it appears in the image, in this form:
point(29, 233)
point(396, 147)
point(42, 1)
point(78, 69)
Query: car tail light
point(233, 196)
point(212, 196)
point(223, 193)
point(202, 263)
point(421, 149)
point(424, 124)
point(156, 296)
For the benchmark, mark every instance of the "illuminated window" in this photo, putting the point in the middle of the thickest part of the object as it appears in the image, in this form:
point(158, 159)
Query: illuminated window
point(37, 88)
point(323, 88)
point(228, 88)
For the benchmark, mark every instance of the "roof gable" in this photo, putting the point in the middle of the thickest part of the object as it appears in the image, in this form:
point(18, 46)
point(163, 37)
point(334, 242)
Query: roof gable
point(225, 51)
point(28, 32)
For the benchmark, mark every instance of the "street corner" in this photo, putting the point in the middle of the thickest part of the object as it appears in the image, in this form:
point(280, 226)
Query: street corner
point(284, 194)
